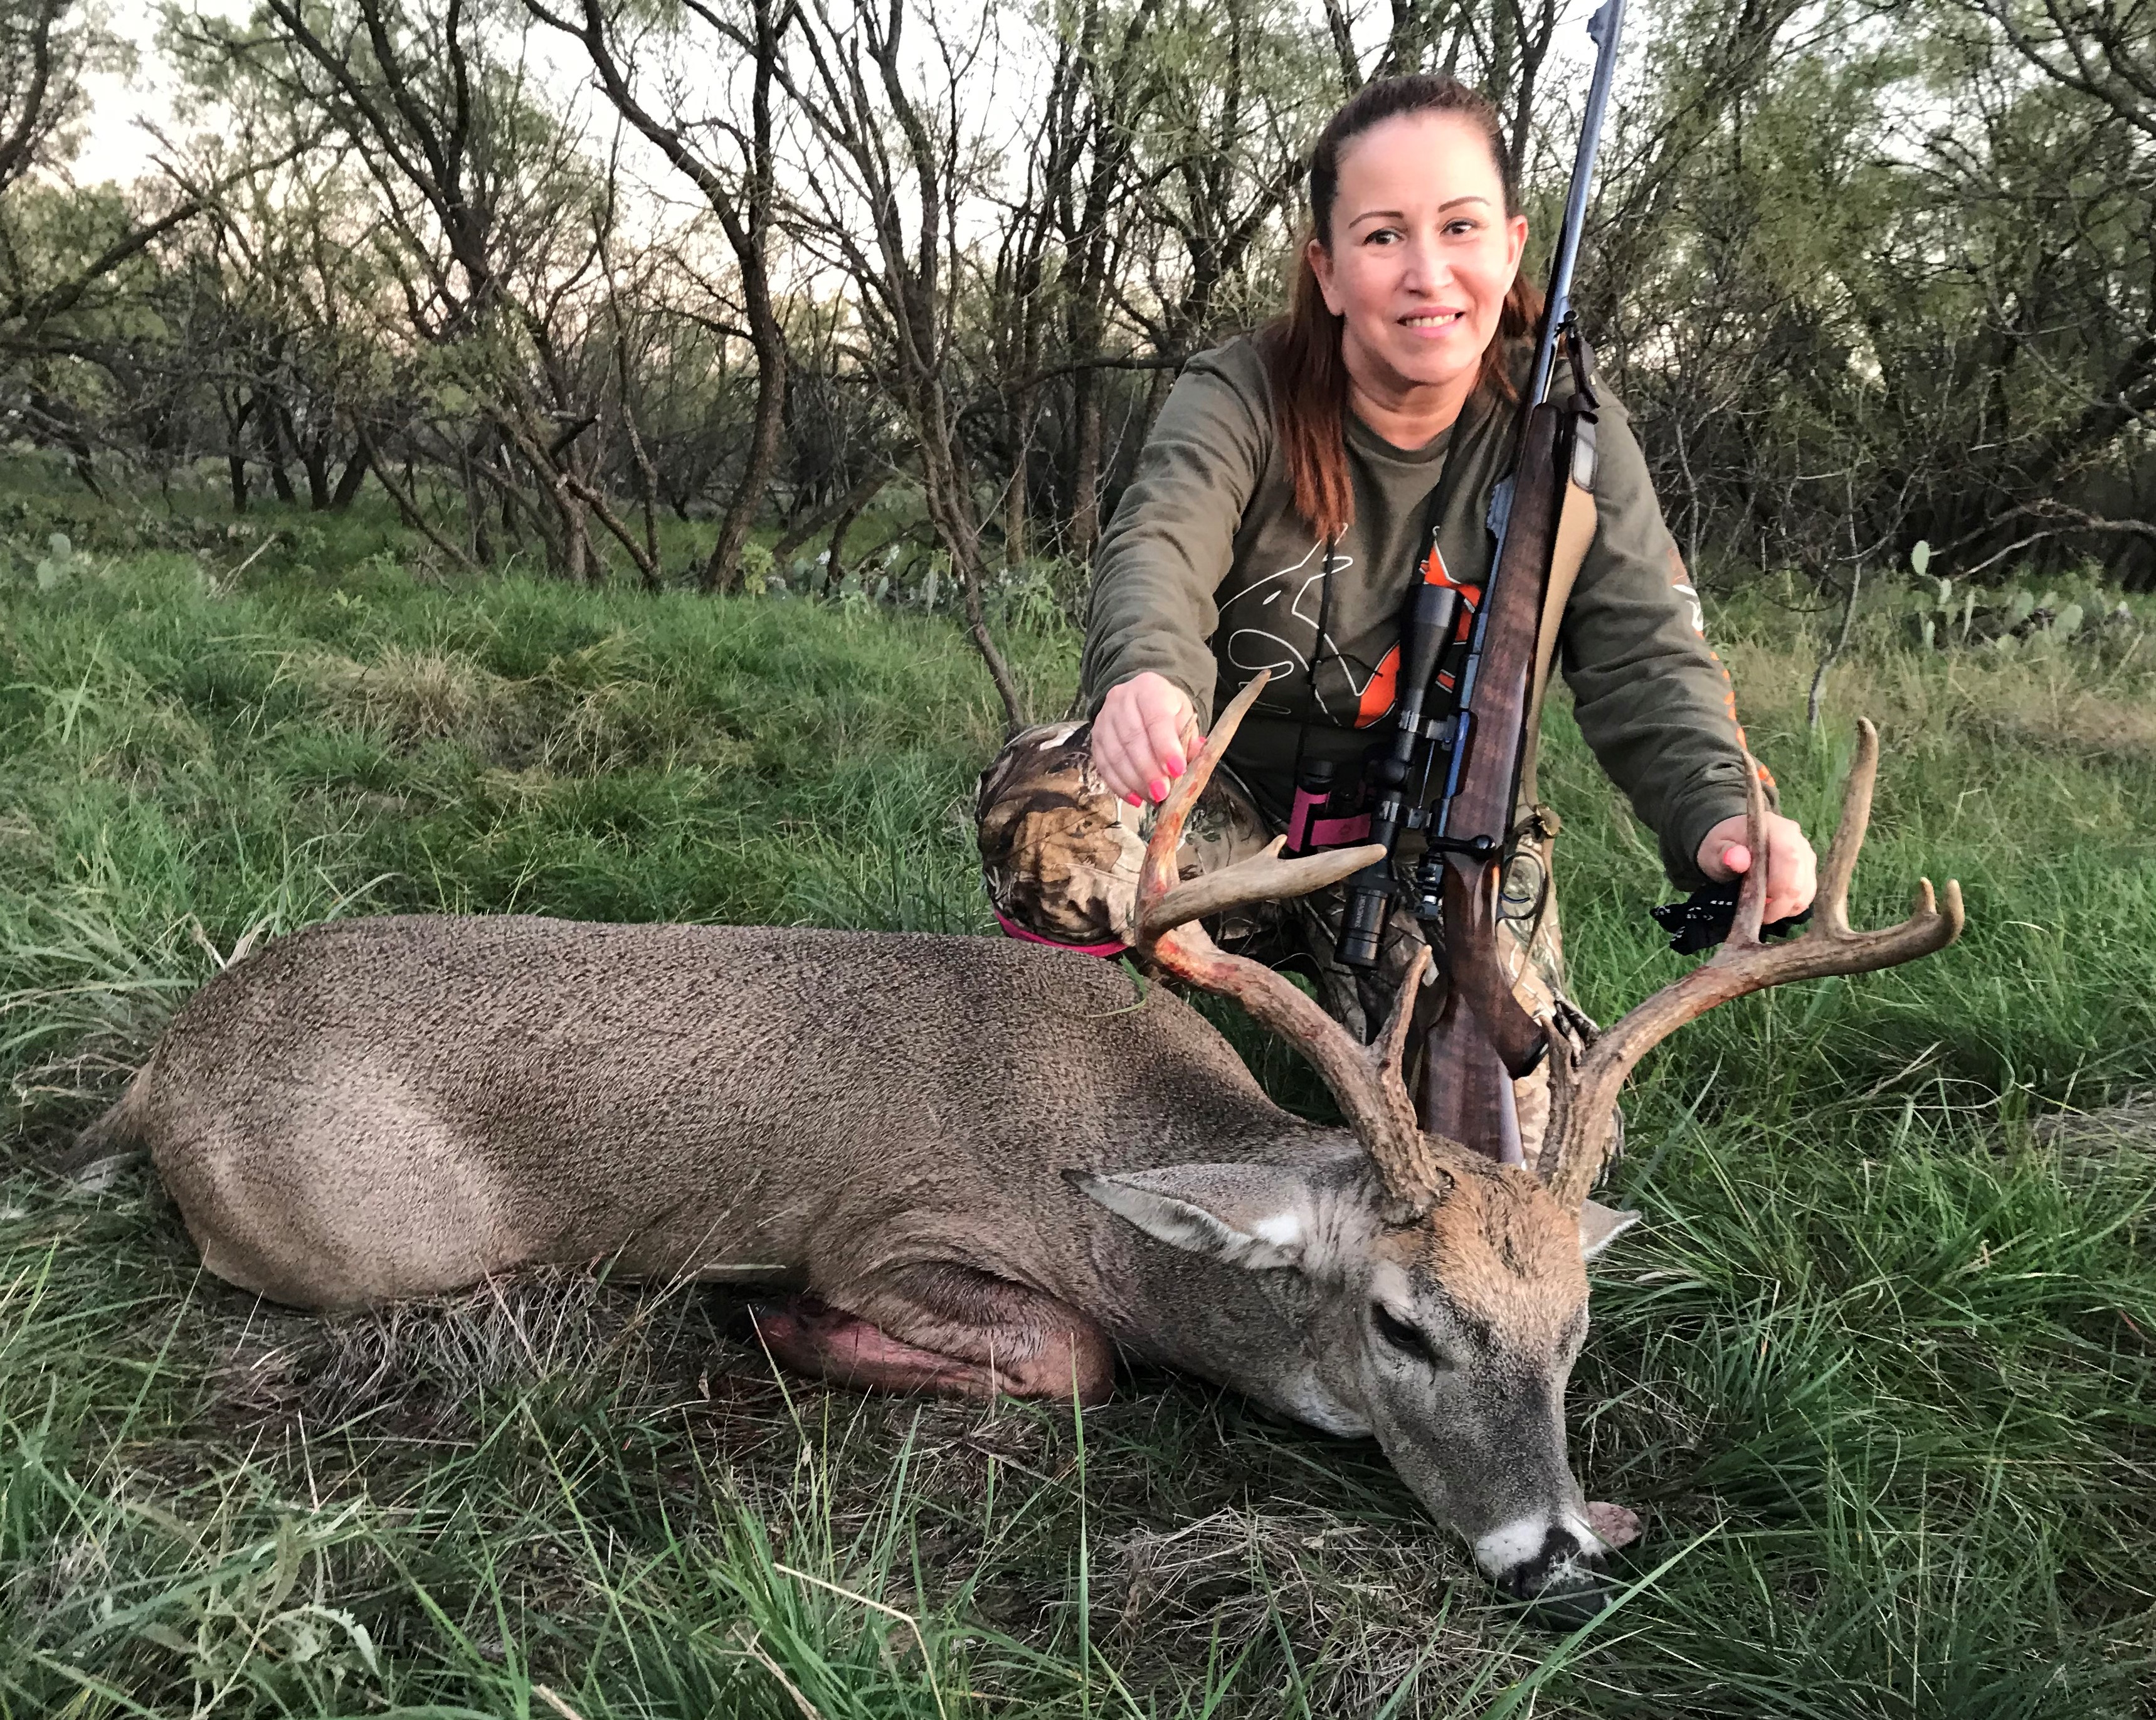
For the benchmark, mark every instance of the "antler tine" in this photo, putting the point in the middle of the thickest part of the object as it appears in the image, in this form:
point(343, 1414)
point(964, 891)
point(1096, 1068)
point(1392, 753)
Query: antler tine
point(1389, 1048)
point(1833, 911)
point(1751, 888)
point(1365, 1080)
point(1409, 1158)
point(1264, 876)
point(1164, 903)
point(1585, 1099)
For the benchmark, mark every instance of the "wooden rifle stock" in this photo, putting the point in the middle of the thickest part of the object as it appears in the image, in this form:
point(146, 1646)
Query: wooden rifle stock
point(1482, 1039)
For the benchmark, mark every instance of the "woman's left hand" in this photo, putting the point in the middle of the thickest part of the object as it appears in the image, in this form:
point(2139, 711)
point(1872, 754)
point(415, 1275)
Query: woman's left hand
point(1792, 867)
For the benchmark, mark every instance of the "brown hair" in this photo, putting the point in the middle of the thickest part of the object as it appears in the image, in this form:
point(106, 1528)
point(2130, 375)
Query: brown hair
point(1302, 348)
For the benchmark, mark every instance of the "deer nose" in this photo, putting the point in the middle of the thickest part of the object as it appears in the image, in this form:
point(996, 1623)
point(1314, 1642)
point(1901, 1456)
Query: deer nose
point(1558, 1570)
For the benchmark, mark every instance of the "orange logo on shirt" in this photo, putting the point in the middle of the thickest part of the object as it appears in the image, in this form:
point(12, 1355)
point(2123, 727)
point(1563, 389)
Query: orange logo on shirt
point(1384, 686)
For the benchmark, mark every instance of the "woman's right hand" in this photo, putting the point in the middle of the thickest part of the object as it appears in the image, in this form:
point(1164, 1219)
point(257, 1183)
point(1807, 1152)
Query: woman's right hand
point(1144, 736)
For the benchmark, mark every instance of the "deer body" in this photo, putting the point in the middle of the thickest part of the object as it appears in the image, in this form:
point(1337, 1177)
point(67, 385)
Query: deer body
point(380, 1109)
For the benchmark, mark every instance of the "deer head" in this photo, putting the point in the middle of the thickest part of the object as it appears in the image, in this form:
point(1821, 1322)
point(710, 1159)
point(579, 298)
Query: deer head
point(1444, 1295)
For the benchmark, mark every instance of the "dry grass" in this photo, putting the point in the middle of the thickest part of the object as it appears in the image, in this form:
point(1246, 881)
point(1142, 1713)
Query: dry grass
point(411, 695)
point(2096, 700)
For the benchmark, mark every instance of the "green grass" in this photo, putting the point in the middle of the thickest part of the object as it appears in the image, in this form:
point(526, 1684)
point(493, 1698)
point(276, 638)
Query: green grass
point(1878, 1368)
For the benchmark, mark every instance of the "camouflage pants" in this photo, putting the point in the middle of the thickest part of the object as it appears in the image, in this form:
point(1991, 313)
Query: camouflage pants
point(1061, 854)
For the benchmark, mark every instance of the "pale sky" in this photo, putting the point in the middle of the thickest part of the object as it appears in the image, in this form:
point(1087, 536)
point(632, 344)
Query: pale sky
point(115, 147)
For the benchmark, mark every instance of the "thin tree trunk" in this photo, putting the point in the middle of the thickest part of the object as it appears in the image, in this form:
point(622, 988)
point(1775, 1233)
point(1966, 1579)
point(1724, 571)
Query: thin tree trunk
point(977, 625)
point(1085, 468)
point(577, 539)
point(956, 530)
point(354, 475)
point(236, 458)
point(1841, 643)
point(647, 484)
point(273, 458)
point(408, 508)
point(1015, 500)
point(475, 504)
point(985, 642)
point(722, 571)
point(279, 446)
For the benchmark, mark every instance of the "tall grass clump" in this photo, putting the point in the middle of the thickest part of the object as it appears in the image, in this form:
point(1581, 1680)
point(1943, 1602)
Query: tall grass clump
point(1877, 1368)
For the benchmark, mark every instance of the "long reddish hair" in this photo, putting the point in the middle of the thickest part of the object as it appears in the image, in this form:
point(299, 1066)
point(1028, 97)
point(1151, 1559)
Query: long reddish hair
point(1302, 348)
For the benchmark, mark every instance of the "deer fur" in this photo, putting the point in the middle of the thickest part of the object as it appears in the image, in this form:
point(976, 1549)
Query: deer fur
point(991, 1163)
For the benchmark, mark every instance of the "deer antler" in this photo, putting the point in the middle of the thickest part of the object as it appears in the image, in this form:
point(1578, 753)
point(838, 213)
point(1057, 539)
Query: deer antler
point(1365, 1078)
point(1583, 1098)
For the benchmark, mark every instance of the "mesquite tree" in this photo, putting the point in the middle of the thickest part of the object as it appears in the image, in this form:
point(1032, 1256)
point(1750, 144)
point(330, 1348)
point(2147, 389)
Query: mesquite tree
point(732, 163)
point(901, 157)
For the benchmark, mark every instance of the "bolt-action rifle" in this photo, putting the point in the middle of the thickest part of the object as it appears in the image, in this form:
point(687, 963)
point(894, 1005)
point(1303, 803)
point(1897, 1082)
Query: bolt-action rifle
point(1482, 1039)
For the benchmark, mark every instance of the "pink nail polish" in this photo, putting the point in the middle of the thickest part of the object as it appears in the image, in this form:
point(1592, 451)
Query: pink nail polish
point(1175, 767)
point(1159, 789)
point(1134, 800)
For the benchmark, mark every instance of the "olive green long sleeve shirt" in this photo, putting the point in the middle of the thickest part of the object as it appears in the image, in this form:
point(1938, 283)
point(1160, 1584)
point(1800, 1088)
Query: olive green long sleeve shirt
point(1206, 575)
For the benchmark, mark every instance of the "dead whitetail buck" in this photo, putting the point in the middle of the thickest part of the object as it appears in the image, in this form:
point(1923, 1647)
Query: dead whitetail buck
point(984, 1164)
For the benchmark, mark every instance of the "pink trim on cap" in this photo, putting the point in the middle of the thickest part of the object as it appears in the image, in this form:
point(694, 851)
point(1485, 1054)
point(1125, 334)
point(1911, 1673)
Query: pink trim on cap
point(1114, 946)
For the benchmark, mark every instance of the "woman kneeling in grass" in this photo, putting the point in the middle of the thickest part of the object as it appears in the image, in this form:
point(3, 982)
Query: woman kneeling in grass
point(1275, 521)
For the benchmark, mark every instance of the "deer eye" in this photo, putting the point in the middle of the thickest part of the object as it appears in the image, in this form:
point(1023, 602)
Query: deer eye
point(1407, 1339)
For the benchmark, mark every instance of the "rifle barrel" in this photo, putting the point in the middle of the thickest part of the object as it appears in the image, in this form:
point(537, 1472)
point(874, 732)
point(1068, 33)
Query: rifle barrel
point(1605, 27)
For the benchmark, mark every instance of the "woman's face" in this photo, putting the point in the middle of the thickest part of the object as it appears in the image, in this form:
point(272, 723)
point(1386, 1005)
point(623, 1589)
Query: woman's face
point(1422, 255)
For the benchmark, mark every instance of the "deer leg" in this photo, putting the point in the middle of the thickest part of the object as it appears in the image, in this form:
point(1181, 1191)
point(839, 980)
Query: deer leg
point(948, 1330)
point(811, 1337)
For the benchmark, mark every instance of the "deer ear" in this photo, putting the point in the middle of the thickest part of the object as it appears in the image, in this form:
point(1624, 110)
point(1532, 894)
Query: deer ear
point(1260, 1216)
point(1600, 1225)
